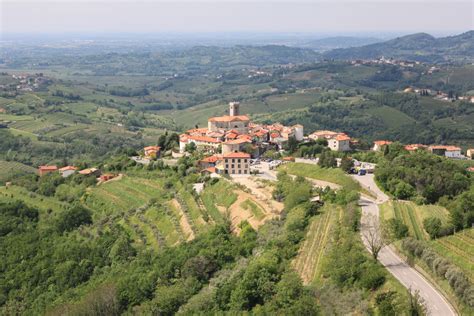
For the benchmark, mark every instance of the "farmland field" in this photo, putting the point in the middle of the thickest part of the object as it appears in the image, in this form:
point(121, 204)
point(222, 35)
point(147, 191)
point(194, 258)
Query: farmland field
point(459, 249)
point(333, 175)
point(124, 194)
point(42, 202)
point(413, 215)
point(10, 168)
point(310, 259)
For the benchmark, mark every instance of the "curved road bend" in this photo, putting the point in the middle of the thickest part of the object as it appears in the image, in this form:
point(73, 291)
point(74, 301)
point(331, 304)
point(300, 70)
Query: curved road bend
point(409, 277)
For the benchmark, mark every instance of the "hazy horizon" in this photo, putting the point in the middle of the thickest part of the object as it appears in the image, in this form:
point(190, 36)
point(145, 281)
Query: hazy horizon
point(119, 18)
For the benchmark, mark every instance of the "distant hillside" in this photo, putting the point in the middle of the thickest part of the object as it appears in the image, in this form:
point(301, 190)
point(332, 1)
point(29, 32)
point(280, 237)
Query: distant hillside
point(328, 43)
point(419, 46)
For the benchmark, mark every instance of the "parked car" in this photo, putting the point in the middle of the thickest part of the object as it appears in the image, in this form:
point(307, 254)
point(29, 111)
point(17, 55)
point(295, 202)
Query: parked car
point(362, 172)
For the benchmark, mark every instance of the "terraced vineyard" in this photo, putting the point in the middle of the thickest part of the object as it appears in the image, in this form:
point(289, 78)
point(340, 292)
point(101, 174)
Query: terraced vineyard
point(9, 168)
point(334, 175)
point(124, 194)
point(459, 249)
point(217, 196)
point(43, 203)
point(309, 262)
point(413, 215)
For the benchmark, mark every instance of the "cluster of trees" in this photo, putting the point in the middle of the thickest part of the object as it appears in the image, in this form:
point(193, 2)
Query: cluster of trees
point(69, 96)
point(459, 282)
point(421, 176)
point(122, 91)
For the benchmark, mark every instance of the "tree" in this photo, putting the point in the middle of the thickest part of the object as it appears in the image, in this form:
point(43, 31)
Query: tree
point(190, 147)
point(73, 218)
point(374, 237)
point(416, 304)
point(433, 226)
point(292, 144)
point(327, 160)
point(347, 164)
point(397, 228)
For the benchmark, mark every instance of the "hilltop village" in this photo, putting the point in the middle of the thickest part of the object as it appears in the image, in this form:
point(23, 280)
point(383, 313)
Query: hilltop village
point(230, 144)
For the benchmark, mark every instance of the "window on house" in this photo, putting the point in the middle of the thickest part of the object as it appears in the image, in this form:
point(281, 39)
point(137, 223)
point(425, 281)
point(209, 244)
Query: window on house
point(233, 166)
point(238, 166)
point(245, 171)
point(240, 171)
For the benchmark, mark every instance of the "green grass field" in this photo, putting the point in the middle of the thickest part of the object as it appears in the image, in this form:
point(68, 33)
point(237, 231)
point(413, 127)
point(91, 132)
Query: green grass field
point(10, 168)
point(393, 118)
point(124, 194)
point(218, 195)
point(413, 215)
point(311, 255)
point(334, 175)
point(459, 249)
point(256, 210)
point(41, 202)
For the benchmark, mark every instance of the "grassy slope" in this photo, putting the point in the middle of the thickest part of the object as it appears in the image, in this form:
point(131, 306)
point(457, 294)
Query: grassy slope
point(311, 255)
point(333, 175)
point(459, 249)
point(413, 215)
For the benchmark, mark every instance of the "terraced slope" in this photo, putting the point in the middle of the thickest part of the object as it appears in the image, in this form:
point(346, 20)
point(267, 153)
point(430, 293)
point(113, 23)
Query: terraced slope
point(413, 215)
point(309, 262)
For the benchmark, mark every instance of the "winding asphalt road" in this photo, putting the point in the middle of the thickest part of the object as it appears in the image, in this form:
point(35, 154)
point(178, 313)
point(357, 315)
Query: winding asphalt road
point(435, 302)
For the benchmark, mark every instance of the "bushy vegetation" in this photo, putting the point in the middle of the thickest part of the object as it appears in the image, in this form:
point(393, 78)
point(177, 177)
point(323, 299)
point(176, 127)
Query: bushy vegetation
point(459, 282)
point(421, 175)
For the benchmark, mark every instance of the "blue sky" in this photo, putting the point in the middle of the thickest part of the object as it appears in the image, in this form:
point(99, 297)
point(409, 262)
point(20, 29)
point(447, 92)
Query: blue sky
point(146, 16)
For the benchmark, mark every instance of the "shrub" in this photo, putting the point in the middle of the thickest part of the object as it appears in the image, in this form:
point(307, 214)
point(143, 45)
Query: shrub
point(432, 226)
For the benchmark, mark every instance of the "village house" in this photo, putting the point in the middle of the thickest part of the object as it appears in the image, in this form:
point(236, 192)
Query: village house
point(447, 151)
point(234, 163)
point(152, 152)
point(340, 143)
point(90, 172)
point(470, 153)
point(107, 176)
point(67, 171)
point(208, 162)
point(42, 170)
point(324, 134)
point(415, 147)
point(379, 144)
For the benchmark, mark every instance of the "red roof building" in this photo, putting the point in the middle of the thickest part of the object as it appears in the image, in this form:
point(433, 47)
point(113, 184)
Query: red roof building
point(47, 169)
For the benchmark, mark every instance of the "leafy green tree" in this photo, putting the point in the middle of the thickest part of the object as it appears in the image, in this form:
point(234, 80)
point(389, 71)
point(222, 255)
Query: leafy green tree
point(327, 160)
point(122, 249)
point(387, 304)
point(397, 228)
point(347, 164)
point(432, 226)
point(73, 218)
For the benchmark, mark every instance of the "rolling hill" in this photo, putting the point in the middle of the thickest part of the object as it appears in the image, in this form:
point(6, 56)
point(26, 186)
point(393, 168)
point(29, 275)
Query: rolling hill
point(420, 47)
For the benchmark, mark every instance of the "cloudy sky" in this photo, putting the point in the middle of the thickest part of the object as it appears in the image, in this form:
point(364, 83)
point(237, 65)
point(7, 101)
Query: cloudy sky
point(63, 16)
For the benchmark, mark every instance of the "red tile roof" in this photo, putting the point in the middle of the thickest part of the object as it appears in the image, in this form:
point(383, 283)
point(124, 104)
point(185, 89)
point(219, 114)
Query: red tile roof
point(229, 118)
point(157, 148)
point(447, 148)
point(382, 142)
point(238, 141)
point(236, 155)
point(210, 159)
point(211, 169)
point(342, 137)
point(67, 168)
point(206, 139)
point(48, 168)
